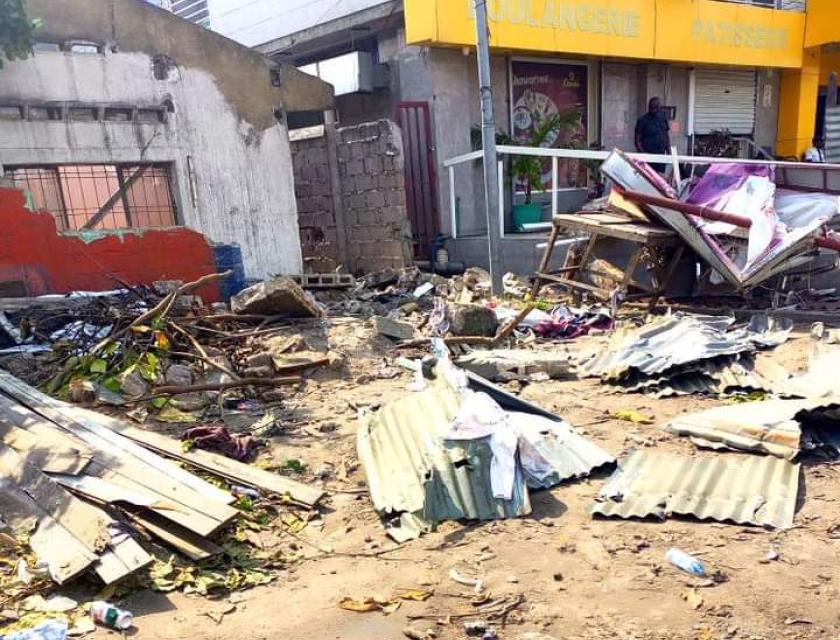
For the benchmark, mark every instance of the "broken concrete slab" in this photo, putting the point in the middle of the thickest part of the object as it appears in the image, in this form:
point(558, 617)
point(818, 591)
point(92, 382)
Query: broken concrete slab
point(393, 328)
point(472, 320)
point(278, 297)
point(504, 365)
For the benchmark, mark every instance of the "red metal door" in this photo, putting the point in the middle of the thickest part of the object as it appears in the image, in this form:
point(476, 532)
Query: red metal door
point(420, 177)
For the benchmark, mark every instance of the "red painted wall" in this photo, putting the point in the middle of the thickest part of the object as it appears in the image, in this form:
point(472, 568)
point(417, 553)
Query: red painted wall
point(33, 253)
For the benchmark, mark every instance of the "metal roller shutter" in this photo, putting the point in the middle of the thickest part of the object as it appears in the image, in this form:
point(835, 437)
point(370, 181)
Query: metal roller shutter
point(724, 99)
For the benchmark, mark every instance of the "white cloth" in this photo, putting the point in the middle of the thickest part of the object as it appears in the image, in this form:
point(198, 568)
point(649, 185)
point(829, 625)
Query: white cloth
point(814, 155)
point(480, 417)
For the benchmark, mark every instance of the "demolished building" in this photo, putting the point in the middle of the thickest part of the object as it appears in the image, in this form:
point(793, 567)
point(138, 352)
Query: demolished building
point(128, 117)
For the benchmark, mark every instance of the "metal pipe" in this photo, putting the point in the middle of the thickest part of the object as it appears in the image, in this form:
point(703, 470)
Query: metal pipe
point(488, 139)
point(829, 241)
point(690, 209)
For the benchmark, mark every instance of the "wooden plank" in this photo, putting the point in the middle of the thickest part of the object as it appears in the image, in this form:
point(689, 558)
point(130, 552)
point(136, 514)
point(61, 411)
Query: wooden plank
point(68, 544)
point(96, 429)
point(200, 514)
point(47, 458)
point(123, 557)
point(137, 506)
point(616, 227)
point(227, 468)
point(182, 540)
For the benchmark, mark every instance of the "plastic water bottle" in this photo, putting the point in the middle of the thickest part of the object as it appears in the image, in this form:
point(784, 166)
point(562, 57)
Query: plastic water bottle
point(108, 615)
point(687, 563)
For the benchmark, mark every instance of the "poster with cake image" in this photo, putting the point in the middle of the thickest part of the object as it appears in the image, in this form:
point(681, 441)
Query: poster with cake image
point(544, 93)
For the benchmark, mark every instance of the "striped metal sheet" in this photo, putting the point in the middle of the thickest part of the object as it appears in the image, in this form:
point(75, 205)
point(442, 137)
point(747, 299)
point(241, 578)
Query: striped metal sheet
point(418, 479)
point(832, 134)
point(740, 488)
point(725, 99)
point(663, 344)
point(570, 454)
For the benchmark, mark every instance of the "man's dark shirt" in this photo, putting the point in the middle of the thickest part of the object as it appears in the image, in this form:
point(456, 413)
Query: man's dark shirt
point(652, 128)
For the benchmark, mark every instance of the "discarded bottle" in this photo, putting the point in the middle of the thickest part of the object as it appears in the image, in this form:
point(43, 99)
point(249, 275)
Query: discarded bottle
point(687, 563)
point(238, 490)
point(108, 615)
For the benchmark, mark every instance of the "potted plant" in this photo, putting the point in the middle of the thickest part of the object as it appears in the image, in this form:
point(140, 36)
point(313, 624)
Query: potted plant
point(528, 170)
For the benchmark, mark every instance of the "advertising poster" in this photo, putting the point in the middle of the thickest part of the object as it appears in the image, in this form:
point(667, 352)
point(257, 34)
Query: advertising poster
point(544, 93)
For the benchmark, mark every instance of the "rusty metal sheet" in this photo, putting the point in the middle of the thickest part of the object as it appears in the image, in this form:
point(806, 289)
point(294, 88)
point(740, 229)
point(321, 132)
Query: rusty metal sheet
point(739, 488)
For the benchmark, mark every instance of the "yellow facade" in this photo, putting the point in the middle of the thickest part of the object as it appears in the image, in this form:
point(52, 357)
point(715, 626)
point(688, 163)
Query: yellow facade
point(686, 31)
point(697, 31)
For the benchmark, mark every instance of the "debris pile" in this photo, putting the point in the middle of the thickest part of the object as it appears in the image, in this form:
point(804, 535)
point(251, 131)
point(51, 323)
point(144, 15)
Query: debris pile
point(683, 354)
point(452, 453)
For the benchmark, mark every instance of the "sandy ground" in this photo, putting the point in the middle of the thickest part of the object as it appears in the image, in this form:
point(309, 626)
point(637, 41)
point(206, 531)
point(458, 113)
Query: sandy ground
point(580, 577)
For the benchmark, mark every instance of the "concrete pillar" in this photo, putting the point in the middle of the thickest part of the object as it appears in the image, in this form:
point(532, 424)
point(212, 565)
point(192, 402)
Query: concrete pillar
point(798, 105)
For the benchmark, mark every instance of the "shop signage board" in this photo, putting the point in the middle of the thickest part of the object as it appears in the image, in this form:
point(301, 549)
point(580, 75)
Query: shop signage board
point(696, 31)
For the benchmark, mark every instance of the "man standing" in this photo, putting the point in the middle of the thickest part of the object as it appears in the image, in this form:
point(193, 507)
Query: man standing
point(652, 132)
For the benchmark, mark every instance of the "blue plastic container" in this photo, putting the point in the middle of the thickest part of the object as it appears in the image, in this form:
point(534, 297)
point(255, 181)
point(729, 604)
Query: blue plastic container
point(229, 257)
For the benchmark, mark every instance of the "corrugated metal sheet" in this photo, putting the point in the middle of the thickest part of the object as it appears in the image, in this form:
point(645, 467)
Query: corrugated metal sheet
point(569, 453)
point(724, 99)
point(745, 489)
point(663, 344)
point(832, 134)
point(771, 426)
point(417, 478)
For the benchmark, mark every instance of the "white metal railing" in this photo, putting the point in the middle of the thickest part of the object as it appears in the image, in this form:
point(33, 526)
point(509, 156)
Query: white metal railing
point(586, 154)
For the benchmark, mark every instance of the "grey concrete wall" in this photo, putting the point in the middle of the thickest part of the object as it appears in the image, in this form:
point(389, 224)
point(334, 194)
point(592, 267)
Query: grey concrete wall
point(767, 108)
point(230, 154)
point(671, 84)
point(316, 211)
point(371, 169)
point(620, 105)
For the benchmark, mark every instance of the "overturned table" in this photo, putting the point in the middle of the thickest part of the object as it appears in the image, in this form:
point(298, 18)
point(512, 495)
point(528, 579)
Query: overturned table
point(650, 245)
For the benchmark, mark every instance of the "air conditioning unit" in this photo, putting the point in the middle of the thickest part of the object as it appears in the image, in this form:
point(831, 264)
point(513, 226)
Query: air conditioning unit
point(349, 73)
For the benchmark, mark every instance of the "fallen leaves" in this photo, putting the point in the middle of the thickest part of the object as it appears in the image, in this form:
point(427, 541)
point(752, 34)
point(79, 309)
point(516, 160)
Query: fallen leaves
point(630, 415)
point(383, 604)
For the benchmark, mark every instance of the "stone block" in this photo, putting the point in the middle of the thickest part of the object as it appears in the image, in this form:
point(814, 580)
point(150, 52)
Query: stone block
point(374, 199)
point(472, 320)
point(393, 328)
point(276, 297)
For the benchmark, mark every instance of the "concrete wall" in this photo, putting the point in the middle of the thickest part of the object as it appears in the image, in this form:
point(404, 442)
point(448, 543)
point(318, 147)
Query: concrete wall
point(36, 260)
point(223, 124)
point(619, 105)
point(315, 203)
point(371, 169)
point(767, 108)
point(254, 22)
point(360, 203)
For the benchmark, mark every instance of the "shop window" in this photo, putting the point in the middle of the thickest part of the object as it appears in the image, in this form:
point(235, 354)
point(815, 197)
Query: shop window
point(102, 196)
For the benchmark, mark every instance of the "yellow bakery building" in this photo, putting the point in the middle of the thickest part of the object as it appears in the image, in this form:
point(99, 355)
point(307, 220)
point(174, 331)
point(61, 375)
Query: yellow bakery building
point(753, 69)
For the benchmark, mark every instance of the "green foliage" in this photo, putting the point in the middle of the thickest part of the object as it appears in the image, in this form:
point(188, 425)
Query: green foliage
point(17, 31)
point(529, 169)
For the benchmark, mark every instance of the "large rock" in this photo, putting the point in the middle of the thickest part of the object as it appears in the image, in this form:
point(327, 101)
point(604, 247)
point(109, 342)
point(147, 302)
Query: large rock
point(472, 320)
point(277, 297)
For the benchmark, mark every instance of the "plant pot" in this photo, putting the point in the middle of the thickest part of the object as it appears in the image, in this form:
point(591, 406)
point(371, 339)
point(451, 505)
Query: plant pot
point(526, 214)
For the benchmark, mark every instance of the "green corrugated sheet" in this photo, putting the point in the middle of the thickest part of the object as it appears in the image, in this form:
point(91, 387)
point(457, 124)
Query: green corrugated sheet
point(417, 479)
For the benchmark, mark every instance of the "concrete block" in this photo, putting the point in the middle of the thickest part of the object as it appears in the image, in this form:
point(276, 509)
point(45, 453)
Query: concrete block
point(355, 167)
point(280, 296)
point(472, 320)
point(374, 199)
point(373, 165)
point(504, 365)
point(393, 328)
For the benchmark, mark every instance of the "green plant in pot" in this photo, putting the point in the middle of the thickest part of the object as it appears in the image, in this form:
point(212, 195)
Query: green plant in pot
point(528, 170)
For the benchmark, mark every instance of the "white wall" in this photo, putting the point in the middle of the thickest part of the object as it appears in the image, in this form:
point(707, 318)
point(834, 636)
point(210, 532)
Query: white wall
point(254, 22)
point(243, 176)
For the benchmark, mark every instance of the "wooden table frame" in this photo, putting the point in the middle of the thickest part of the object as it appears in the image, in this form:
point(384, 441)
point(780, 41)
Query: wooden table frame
point(599, 226)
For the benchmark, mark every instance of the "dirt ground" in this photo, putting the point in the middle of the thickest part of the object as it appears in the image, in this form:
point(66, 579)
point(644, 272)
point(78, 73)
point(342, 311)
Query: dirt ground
point(580, 577)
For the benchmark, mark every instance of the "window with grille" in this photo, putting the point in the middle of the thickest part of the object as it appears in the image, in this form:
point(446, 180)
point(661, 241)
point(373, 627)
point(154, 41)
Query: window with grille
point(100, 196)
